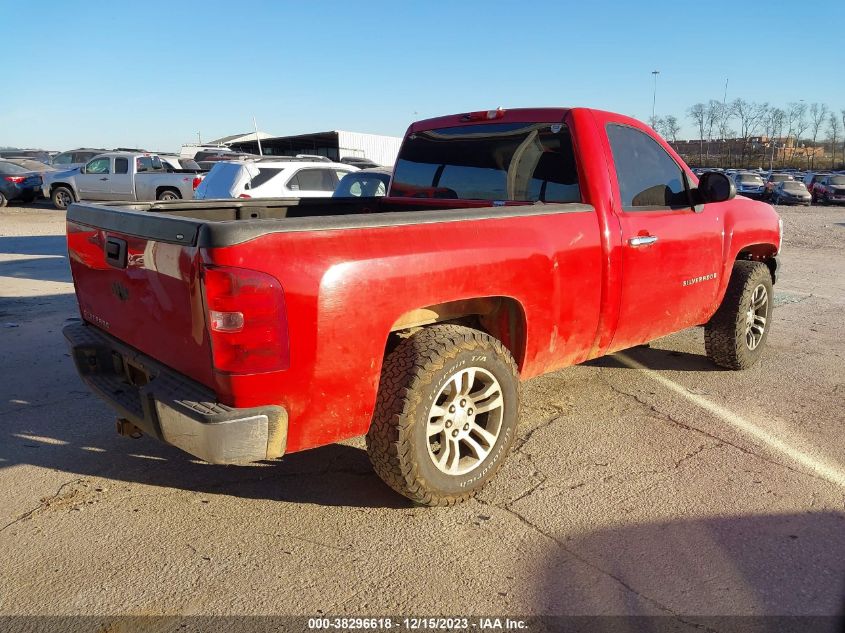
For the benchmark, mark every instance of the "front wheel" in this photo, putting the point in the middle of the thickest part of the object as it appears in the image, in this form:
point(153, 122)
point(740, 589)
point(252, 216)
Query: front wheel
point(446, 414)
point(62, 198)
point(3, 200)
point(734, 338)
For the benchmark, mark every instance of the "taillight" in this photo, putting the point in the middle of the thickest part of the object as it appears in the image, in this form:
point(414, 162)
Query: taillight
point(483, 115)
point(16, 179)
point(247, 321)
point(243, 195)
point(196, 182)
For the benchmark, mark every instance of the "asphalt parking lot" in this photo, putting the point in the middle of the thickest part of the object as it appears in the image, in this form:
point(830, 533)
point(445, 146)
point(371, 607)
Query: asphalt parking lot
point(647, 483)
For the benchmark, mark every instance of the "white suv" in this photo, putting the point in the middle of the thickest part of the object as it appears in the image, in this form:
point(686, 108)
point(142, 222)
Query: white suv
point(272, 178)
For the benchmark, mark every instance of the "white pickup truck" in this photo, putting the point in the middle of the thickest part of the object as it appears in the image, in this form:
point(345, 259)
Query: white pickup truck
point(129, 176)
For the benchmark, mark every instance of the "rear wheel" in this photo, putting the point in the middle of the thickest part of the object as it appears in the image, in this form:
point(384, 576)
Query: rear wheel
point(62, 198)
point(169, 194)
point(446, 414)
point(734, 338)
point(3, 200)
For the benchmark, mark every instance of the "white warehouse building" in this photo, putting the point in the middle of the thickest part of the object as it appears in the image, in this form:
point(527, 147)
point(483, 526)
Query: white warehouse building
point(335, 145)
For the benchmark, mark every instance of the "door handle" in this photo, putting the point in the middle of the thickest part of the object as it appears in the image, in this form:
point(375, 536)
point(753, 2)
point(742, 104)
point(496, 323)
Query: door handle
point(642, 240)
point(103, 178)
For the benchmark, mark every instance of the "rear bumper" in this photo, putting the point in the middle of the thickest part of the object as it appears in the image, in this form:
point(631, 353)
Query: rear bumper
point(170, 406)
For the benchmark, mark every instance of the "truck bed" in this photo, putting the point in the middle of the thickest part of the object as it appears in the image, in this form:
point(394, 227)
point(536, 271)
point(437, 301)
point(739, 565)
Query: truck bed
point(217, 223)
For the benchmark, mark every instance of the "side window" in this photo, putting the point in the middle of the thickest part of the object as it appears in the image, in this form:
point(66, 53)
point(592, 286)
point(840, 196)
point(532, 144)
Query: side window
point(293, 183)
point(143, 163)
point(121, 165)
point(264, 175)
point(98, 166)
point(648, 177)
point(315, 180)
point(62, 159)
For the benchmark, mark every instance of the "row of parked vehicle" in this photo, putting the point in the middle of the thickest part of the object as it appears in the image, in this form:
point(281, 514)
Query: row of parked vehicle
point(137, 175)
point(788, 187)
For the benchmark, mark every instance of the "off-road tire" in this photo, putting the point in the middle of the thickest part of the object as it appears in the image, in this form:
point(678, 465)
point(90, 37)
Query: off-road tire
point(412, 376)
point(56, 196)
point(725, 333)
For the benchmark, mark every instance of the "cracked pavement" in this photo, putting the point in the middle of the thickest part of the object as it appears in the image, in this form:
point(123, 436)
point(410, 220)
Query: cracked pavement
point(621, 495)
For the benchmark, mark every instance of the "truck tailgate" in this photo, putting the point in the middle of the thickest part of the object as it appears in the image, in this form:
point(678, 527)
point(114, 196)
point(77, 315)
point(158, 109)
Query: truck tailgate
point(138, 279)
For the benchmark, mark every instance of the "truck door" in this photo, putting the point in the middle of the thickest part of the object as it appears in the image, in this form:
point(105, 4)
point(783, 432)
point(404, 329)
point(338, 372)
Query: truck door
point(671, 254)
point(94, 183)
point(120, 182)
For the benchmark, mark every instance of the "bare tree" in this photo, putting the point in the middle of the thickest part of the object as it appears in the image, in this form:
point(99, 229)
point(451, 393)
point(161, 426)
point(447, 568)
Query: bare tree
point(655, 122)
point(802, 124)
point(750, 117)
point(818, 114)
point(795, 118)
point(671, 127)
point(834, 128)
point(774, 122)
point(698, 114)
point(842, 112)
point(712, 113)
point(726, 134)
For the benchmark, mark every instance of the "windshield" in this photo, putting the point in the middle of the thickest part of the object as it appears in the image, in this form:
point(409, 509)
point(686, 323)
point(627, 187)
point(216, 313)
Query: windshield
point(11, 168)
point(794, 186)
point(837, 180)
point(780, 178)
point(751, 179)
point(493, 161)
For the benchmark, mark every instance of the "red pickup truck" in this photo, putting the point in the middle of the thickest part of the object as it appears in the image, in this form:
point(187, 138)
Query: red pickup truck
point(523, 241)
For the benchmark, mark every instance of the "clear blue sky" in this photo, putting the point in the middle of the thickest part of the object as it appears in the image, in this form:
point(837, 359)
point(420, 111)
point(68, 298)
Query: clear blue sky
point(154, 73)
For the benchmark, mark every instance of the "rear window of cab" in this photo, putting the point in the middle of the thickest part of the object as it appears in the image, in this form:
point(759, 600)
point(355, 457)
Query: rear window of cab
point(494, 161)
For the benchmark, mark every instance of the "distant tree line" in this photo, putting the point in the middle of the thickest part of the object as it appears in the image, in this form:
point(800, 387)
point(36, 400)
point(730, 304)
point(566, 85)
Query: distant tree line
point(741, 133)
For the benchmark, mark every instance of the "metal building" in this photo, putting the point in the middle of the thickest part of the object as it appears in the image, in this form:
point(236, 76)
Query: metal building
point(336, 144)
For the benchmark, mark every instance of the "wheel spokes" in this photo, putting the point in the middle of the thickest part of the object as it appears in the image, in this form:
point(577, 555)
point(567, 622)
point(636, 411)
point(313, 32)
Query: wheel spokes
point(479, 451)
point(493, 403)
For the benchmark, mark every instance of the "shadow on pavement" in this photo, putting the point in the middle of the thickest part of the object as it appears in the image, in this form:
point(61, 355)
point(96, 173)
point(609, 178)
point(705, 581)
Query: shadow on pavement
point(86, 444)
point(48, 261)
point(779, 564)
point(662, 359)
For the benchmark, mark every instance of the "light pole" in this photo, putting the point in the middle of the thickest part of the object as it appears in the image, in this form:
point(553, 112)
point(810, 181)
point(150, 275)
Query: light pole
point(654, 95)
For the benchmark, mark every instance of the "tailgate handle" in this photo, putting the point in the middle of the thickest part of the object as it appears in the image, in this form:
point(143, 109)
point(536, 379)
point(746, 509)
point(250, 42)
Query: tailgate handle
point(116, 252)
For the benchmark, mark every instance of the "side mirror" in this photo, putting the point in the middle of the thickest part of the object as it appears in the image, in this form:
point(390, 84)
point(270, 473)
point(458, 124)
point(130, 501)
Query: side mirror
point(714, 186)
point(82, 169)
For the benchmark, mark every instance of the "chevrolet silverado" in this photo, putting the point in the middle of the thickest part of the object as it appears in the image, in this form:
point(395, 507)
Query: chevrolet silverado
point(511, 243)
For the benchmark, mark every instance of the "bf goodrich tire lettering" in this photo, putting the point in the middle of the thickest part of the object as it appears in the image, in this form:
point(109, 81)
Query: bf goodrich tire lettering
point(420, 419)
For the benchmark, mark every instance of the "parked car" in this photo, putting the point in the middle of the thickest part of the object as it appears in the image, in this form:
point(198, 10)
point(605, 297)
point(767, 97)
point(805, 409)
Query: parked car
point(749, 184)
point(75, 158)
point(272, 178)
point(251, 329)
point(36, 154)
point(120, 176)
point(811, 178)
point(31, 164)
point(366, 183)
point(830, 189)
point(791, 192)
point(176, 163)
point(359, 162)
point(772, 181)
point(17, 183)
